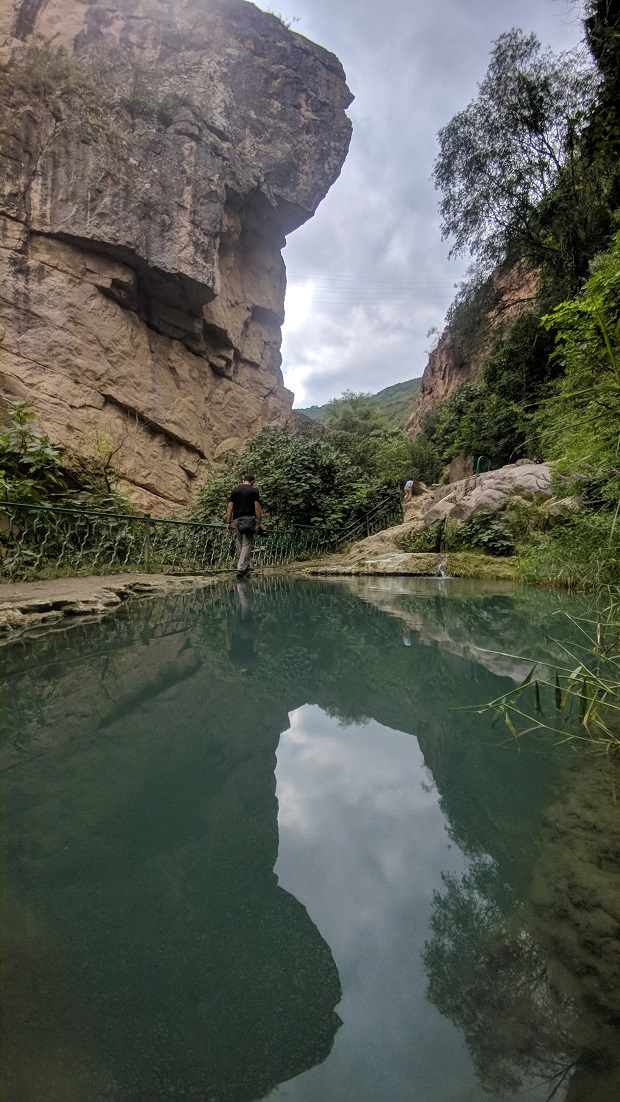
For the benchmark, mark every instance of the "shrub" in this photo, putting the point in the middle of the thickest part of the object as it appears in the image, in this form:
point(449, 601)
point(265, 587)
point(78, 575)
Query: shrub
point(487, 532)
point(302, 479)
point(422, 540)
point(30, 465)
point(580, 552)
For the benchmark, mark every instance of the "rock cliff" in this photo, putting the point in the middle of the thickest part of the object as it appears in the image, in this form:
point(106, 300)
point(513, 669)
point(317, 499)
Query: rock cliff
point(510, 293)
point(156, 153)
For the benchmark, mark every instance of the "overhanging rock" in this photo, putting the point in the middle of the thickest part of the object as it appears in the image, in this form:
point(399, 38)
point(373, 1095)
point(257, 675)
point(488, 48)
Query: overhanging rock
point(155, 157)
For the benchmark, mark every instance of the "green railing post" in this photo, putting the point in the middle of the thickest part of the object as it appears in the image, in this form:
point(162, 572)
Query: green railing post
point(147, 542)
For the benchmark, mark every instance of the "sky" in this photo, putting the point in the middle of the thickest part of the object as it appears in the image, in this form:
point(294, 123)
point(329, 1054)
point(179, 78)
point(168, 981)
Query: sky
point(369, 275)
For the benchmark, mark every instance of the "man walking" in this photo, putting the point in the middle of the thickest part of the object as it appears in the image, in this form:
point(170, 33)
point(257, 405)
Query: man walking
point(244, 512)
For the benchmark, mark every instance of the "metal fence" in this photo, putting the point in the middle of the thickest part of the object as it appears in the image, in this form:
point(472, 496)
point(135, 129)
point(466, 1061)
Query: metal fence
point(45, 541)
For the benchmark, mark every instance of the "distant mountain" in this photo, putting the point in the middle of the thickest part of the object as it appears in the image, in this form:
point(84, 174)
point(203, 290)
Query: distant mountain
point(395, 401)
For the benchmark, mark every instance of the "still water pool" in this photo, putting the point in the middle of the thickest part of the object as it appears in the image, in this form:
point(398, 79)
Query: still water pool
point(256, 846)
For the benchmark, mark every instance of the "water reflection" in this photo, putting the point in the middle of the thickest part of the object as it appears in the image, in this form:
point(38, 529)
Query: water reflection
point(362, 843)
point(243, 629)
point(151, 949)
point(533, 977)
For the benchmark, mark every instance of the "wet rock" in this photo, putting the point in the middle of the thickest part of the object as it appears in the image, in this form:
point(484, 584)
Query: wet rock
point(390, 563)
point(28, 605)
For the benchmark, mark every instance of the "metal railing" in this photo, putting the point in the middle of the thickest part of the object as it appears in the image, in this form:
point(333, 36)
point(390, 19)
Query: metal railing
point(45, 541)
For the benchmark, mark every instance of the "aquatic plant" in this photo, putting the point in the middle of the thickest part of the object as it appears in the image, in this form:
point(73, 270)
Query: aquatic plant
point(578, 699)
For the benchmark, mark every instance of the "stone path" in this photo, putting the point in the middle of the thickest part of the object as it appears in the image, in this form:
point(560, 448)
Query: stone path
point(24, 605)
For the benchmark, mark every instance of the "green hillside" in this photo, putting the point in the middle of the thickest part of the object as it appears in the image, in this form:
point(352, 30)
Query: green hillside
point(396, 402)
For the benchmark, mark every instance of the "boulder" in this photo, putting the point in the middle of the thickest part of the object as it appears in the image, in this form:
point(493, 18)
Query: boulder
point(490, 492)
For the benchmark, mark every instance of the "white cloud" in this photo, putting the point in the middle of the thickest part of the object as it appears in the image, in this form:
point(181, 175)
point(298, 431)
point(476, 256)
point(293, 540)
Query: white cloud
point(373, 254)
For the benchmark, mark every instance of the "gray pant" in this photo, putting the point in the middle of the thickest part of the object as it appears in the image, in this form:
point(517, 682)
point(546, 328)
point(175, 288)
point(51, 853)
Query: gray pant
point(245, 541)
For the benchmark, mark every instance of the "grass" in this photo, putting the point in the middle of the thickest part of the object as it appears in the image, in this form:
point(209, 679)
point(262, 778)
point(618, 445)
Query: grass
point(472, 564)
point(579, 700)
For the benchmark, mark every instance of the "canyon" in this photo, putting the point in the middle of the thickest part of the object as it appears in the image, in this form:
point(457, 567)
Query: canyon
point(155, 156)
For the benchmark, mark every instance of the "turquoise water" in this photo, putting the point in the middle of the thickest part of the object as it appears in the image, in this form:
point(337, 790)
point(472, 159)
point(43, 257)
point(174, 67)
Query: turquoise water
point(254, 847)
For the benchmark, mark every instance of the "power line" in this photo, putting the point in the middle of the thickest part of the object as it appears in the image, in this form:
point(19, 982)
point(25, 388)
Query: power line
point(371, 281)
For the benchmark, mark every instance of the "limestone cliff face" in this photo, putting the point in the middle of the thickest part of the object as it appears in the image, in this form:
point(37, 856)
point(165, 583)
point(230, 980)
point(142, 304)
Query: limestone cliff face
point(512, 293)
point(155, 156)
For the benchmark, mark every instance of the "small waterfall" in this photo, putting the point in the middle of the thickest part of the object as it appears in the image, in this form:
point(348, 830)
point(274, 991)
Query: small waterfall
point(440, 569)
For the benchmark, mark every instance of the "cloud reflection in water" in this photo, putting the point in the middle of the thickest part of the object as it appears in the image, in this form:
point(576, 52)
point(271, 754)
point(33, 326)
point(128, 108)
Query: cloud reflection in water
point(362, 846)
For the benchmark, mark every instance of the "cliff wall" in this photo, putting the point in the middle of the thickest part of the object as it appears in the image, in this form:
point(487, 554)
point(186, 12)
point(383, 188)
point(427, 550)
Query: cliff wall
point(155, 155)
point(511, 293)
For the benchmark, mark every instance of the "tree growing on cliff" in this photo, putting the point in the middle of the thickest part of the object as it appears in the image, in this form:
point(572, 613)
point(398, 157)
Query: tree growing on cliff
point(501, 158)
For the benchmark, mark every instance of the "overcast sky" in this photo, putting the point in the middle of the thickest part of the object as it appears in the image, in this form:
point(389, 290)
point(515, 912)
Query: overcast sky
point(369, 275)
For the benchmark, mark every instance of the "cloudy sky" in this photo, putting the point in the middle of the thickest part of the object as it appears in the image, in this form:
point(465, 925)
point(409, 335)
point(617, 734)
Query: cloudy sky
point(369, 275)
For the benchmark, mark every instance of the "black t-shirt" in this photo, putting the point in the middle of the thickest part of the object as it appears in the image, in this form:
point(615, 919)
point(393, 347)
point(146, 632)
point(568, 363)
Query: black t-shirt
point(243, 498)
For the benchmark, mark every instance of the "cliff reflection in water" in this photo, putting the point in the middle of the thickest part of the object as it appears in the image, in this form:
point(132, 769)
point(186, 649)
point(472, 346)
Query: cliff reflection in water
point(151, 948)
point(150, 951)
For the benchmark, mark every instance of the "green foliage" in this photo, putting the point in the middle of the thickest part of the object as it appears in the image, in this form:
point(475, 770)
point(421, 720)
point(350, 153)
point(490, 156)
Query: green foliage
point(395, 402)
point(303, 479)
point(495, 416)
point(533, 166)
point(362, 432)
point(501, 156)
point(30, 466)
point(422, 540)
point(334, 478)
point(426, 463)
point(354, 413)
point(602, 139)
point(468, 317)
point(518, 369)
point(582, 551)
point(581, 425)
point(527, 519)
point(476, 421)
point(33, 470)
point(487, 532)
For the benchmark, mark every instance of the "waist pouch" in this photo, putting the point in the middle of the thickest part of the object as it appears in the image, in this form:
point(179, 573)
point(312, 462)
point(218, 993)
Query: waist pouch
point(246, 525)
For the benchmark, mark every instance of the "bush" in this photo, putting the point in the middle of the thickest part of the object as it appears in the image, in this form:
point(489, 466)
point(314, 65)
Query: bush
point(423, 540)
point(580, 552)
point(302, 480)
point(487, 532)
point(30, 465)
point(34, 471)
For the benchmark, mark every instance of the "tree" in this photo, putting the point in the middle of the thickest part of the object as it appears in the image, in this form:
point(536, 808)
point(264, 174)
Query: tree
point(303, 479)
point(488, 974)
point(362, 431)
point(501, 158)
point(355, 413)
point(602, 25)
